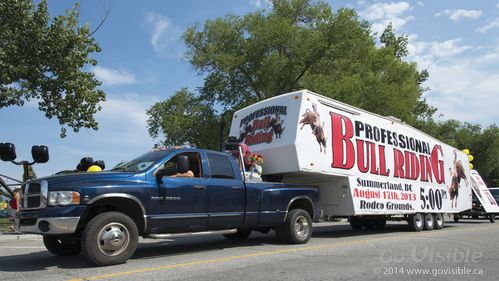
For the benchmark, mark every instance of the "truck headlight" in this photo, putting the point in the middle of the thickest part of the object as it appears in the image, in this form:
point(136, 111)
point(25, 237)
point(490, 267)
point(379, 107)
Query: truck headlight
point(63, 198)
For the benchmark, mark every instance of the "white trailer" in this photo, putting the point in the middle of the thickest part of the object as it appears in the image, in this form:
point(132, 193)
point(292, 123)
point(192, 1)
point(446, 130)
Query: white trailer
point(369, 168)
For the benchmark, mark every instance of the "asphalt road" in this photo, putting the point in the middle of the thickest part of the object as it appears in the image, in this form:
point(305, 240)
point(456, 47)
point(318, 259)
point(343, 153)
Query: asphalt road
point(468, 250)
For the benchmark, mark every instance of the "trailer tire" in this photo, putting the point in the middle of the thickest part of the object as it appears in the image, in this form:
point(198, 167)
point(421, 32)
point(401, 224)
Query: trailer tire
point(297, 228)
point(416, 222)
point(456, 218)
point(61, 246)
point(109, 238)
point(492, 218)
point(439, 220)
point(241, 234)
point(429, 222)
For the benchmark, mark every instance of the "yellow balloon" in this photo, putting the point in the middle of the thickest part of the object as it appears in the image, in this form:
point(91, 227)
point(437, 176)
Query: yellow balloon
point(470, 157)
point(466, 151)
point(94, 168)
point(471, 166)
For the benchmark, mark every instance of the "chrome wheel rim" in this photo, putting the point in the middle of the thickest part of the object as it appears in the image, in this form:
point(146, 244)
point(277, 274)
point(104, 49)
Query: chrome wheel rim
point(301, 227)
point(429, 221)
point(113, 239)
point(438, 220)
point(418, 221)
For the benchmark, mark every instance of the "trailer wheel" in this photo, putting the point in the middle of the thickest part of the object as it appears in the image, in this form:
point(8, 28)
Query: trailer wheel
point(493, 218)
point(416, 222)
point(297, 228)
point(241, 234)
point(110, 238)
point(61, 246)
point(429, 222)
point(456, 218)
point(439, 220)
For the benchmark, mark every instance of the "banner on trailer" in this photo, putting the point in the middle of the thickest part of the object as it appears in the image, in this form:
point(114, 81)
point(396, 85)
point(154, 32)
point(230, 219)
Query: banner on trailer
point(392, 167)
point(483, 194)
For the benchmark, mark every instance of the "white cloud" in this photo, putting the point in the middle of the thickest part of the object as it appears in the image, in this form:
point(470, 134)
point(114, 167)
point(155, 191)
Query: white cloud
point(110, 76)
point(461, 87)
point(261, 3)
point(491, 25)
point(458, 14)
point(159, 25)
point(381, 14)
point(462, 91)
point(420, 3)
point(448, 48)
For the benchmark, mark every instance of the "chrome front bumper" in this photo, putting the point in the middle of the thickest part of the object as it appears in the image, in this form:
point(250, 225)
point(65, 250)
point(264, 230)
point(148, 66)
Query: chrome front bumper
point(54, 225)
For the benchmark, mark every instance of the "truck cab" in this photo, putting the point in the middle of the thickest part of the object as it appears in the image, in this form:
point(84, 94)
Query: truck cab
point(165, 193)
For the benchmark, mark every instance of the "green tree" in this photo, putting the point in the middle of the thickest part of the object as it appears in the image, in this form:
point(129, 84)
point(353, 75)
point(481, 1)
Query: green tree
point(483, 144)
point(304, 44)
point(183, 119)
point(42, 58)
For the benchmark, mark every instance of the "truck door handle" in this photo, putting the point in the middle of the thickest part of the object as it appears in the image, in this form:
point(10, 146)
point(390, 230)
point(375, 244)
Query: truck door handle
point(199, 187)
point(236, 188)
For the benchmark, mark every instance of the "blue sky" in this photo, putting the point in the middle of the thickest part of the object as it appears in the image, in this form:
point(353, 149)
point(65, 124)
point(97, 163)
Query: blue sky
point(141, 63)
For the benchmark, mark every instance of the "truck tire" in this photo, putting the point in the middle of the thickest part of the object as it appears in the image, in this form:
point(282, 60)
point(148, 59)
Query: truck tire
point(61, 246)
point(416, 222)
point(429, 222)
point(109, 238)
point(439, 220)
point(297, 228)
point(241, 234)
point(492, 218)
point(456, 218)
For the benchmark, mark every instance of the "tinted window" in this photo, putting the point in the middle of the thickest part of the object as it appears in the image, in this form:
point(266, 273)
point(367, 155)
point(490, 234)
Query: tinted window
point(220, 166)
point(494, 191)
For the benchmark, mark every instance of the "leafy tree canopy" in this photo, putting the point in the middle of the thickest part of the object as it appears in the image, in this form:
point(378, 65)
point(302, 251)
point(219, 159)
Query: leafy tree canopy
point(183, 119)
point(483, 144)
point(295, 45)
point(41, 59)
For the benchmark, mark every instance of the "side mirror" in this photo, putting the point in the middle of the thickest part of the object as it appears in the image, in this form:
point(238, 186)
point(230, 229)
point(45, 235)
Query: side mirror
point(164, 173)
point(183, 164)
point(40, 153)
point(7, 151)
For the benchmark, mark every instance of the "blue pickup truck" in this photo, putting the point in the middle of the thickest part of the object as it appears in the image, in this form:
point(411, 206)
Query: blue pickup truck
point(102, 214)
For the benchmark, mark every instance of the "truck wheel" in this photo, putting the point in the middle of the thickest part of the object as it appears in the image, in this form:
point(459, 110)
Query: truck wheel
point(61, 246)
point(439, 220)
point(429, 223)
point(456, 218)
point(110, 238)
point(241, 234)
point(297, 228)
point(493, 218)
point(416, 222)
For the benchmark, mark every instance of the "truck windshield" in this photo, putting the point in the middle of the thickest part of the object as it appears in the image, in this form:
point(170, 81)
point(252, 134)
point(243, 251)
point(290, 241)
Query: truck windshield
point(142, 163)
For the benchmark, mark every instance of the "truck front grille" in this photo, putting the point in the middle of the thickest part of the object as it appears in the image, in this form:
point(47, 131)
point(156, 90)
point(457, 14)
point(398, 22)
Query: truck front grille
point(34, 195)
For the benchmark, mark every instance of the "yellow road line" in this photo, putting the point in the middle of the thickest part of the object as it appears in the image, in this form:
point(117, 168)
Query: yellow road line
point(278, 252)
